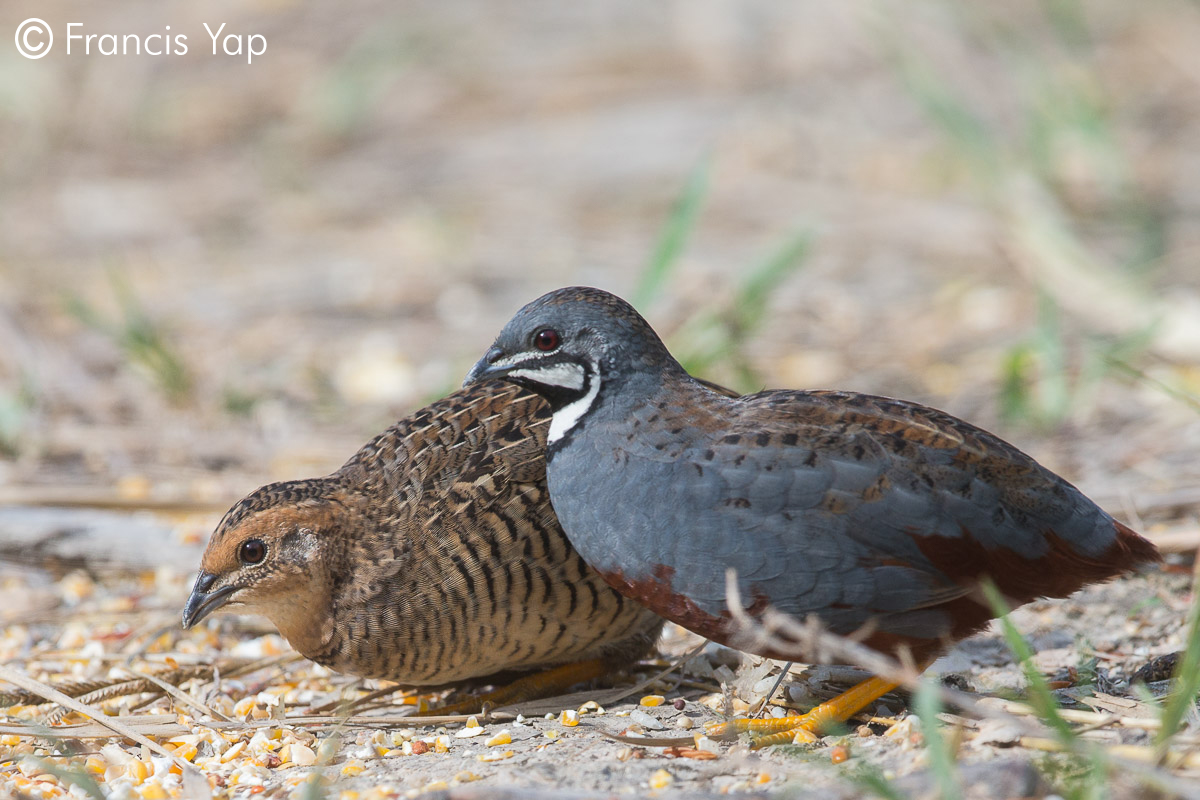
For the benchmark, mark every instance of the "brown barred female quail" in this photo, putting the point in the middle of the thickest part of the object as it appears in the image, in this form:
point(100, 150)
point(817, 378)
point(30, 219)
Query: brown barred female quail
point(433, 556)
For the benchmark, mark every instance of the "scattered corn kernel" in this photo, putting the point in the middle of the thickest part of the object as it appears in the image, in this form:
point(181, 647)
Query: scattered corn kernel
point(489, 757)
point(839, 754)
point(154, 791)
point(803, 736)
point(441, 744)
point(569, 717)
point(348, 794)
point(233, 752)
point(353, 768)
point(466, 776)
point(652, 700)
point(435, 786)
point(469, 732)
point(10, 739)
point(95, 765)
point(503, 737)
point(137, 771)
point(472, 722)
point(551, 735)
point(186, 751)
point(762, 778)
point(661, 779)
point(592, 706)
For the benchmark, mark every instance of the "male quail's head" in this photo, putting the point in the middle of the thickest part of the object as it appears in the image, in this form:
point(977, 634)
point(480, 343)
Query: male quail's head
point(573, 343)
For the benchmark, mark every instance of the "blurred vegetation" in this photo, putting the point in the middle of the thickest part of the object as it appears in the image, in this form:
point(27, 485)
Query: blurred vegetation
point(927, 706)
point(1055, 170)
point(16, 407)
point(140, 337)
point(716, 335)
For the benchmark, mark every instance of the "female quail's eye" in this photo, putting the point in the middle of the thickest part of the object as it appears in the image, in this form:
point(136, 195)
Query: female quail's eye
point(252, 551)
point(546, 339)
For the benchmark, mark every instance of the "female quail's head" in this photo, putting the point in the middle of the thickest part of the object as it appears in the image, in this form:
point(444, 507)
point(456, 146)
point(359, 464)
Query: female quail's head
point(272, 554)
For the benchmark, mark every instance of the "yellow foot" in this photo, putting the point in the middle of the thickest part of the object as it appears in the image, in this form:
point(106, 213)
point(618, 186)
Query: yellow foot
point(541, 684)
point(807, 727)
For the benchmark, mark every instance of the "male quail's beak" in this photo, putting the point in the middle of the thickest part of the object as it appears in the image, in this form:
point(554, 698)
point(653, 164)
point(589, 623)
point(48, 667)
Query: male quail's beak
point(203, 601)
point(487, 367)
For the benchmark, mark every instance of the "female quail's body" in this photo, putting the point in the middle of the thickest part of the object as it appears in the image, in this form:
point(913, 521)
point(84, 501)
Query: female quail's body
point(874, 515)
point(432, 556)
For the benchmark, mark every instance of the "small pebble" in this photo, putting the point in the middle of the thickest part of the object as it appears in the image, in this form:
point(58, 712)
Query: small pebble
point(998, 732)
point(679, 703)
point(646, 721)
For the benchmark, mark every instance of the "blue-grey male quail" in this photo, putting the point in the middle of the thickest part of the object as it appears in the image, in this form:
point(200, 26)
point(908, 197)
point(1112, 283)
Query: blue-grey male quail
point(878, 516)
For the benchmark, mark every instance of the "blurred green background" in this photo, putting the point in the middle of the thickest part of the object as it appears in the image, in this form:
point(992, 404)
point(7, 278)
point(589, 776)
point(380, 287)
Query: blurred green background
point(215, 273)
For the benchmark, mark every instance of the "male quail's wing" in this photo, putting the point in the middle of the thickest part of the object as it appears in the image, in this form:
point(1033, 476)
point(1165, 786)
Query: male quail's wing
point(859, 507)
point(913, 492)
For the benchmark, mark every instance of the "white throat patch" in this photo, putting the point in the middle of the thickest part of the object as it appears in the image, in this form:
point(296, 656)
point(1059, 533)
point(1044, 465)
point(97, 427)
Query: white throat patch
point(568, 375)
point(568, 417)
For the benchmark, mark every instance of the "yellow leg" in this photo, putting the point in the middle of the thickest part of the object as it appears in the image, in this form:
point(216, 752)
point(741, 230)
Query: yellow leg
point(541, 684)
point(785, 729)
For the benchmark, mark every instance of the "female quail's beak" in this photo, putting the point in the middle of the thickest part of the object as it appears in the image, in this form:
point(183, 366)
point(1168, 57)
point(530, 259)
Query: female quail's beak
point(203, 601)
point(487, 367)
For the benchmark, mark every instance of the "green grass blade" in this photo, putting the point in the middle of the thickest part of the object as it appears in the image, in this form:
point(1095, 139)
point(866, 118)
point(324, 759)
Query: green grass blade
point(674, 236)
point(76, 777)
point(868, 778)
point(1040, 695)
point(1186, 682)
point(941, 760)
point(756, 289)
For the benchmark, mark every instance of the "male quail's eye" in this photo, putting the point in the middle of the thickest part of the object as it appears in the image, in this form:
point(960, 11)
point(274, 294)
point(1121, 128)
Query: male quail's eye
point(252, 551)
point(546, 339)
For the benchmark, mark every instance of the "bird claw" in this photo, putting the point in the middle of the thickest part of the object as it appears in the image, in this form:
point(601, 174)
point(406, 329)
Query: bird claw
point(768, 732)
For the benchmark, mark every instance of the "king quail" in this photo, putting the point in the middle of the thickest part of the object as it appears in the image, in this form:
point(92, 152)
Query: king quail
point(432, 556)
point(878, 516)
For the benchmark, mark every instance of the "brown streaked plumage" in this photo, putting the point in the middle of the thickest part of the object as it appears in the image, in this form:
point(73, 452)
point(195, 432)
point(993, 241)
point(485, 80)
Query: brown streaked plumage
point(432, 556)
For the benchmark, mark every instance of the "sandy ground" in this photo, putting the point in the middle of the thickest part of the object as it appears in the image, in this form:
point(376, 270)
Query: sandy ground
point(214, 275)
